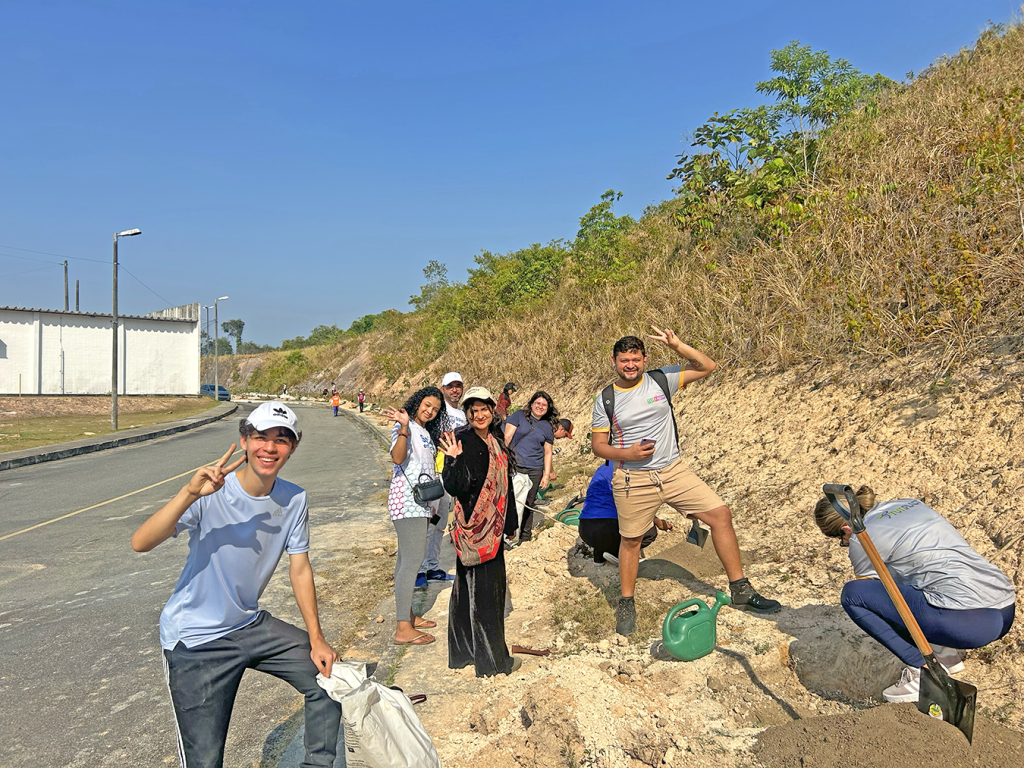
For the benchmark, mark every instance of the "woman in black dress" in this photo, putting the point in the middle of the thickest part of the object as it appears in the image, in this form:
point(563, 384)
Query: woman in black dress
point(478, 472)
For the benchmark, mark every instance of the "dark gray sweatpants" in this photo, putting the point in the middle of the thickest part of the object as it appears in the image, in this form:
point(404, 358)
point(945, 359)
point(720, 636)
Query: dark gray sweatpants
point(203, 682)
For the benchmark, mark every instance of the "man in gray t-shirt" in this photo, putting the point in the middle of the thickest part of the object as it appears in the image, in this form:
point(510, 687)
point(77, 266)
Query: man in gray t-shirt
point(640, 440)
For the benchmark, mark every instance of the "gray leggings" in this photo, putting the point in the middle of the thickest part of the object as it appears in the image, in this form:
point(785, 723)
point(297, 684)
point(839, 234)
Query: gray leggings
point(412, 546)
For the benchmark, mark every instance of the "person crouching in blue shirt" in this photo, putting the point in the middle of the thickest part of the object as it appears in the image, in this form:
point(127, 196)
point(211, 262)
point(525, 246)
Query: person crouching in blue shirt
point(599, 521)
point(212, 628)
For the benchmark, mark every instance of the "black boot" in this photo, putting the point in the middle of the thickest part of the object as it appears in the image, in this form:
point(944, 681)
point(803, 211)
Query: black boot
point(746, 598)
point(625, 616)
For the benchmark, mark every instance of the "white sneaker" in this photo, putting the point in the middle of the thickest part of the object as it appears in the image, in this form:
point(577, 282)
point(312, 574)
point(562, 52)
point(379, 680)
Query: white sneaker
point(907, 690)
point(611, 558)
point(949, 658)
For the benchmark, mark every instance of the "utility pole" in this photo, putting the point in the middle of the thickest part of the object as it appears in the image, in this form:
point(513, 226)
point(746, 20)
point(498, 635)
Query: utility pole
point(76, 295)
point(113, 350)
point(113, 323)
point(216, 350)
point(65, 285)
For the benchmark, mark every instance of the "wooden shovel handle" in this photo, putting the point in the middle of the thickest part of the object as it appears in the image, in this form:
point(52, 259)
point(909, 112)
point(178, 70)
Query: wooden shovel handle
point(894, 592)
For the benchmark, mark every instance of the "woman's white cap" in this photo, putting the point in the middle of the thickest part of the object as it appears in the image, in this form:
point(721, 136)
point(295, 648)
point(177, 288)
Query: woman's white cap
point(450, 377)
point(270, 415)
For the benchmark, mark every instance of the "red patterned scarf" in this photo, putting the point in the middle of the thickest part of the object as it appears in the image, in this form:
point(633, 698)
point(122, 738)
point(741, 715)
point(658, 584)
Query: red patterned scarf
point(479, 539)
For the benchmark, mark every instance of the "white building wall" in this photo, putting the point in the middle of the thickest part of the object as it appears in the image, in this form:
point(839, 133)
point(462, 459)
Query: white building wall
point(69, 353)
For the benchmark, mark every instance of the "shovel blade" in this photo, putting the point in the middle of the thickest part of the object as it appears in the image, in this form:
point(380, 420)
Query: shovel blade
point(945, 698)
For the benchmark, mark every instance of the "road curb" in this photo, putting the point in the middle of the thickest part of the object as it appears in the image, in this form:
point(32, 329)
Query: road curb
point(381, 437)
point(79, 447)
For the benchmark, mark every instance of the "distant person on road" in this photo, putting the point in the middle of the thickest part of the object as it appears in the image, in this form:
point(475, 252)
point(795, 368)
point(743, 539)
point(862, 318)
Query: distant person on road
point(284, 390)
point(414, 440)
point(505, 400)
point(478, 470)
point(335, 403)
point(212, 628)
point(633, 426)
point(530, 434)
point(361, 397)
point(959, 598)
point(599, 520)
point(430, 570)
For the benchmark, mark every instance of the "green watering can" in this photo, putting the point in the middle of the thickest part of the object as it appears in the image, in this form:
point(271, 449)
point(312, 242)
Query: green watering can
point(689, 635)
point(569, 516)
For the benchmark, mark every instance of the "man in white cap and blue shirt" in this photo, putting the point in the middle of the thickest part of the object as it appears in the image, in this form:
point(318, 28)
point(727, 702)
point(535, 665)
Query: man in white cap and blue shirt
point(452, 389)
point(212, 628)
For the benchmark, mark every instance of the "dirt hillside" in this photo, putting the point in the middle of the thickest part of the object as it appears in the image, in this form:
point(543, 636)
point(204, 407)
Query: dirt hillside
point(766, 442)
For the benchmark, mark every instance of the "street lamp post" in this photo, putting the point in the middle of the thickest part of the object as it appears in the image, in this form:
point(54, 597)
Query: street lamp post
point(206, 326)
point(216, 349)
point(113, 323)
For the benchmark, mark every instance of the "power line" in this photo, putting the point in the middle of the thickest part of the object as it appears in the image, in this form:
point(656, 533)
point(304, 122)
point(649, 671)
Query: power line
point(38, 269)
point(28, 258)
point(165, 301)
point(47, 253)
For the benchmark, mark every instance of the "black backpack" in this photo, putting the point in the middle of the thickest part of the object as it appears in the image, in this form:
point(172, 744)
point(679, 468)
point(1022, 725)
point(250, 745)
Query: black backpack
point(608, 398)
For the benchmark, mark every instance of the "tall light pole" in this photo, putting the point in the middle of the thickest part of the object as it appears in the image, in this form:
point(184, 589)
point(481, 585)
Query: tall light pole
point(113, 323)
point(206, 326)
point(216, 349)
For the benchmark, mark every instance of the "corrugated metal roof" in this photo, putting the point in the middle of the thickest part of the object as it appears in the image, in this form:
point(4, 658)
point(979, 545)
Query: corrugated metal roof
point(96, 314)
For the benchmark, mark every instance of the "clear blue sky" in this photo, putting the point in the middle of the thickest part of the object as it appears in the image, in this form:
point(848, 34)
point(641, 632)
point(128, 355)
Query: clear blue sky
point(308, 158)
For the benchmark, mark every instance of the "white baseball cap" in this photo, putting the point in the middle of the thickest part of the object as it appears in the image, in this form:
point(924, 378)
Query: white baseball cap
point(270, 415)
point(450, 377)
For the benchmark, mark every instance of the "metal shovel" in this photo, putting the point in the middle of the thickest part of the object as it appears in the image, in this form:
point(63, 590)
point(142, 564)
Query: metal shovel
point(941, 696)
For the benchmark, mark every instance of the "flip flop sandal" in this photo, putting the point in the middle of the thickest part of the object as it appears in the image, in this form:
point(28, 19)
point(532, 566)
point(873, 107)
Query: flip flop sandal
point(418, 698)
point(426, 623)
point(531, 651)
point(417, 640)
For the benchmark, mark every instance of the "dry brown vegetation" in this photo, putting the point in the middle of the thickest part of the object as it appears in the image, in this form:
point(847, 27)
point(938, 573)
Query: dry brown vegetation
point(910, 240)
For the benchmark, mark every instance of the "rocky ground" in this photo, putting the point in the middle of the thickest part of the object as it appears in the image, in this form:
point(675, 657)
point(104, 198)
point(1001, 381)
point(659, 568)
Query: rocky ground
point(783, 690)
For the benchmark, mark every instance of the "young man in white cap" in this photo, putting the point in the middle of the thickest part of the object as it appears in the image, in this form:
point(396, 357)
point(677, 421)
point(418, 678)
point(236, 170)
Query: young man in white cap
point(430, 570)
point(212, 628)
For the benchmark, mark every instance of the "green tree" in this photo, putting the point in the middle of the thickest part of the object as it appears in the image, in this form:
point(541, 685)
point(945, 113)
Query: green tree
point(252, 348)
point(600, 248)
point(234, 328)
point(437, 281)
point(812, 91)
point(758, 156)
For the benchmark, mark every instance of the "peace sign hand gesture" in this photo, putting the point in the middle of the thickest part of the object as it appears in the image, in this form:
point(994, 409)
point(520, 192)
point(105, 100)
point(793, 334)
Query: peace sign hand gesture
point(449, 445)
point(400, 416)
point(666, 336)
point(211, 479)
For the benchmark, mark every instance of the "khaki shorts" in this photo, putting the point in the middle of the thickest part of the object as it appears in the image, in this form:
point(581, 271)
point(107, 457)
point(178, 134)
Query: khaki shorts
point(640, 492)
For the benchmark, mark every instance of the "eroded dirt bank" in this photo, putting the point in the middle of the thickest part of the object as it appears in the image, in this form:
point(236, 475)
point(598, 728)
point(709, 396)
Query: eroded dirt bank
point(766, 442)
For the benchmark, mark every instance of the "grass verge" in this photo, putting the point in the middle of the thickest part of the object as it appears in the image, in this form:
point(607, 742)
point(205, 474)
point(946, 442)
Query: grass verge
point(19, 432)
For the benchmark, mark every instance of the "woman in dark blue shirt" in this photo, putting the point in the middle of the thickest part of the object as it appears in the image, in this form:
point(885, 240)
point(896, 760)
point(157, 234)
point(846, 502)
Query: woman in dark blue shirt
point(530, 432)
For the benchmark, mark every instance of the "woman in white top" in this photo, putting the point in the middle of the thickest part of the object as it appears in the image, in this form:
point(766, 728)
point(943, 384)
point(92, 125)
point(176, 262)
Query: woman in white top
point(414, 439)
point(958, 597)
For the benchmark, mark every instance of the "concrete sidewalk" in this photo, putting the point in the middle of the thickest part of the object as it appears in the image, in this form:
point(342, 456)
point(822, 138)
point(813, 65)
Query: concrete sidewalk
point(44, 453)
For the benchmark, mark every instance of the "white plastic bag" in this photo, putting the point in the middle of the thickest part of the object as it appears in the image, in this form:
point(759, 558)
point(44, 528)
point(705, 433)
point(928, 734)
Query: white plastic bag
point(521, 484)
point(381, 728)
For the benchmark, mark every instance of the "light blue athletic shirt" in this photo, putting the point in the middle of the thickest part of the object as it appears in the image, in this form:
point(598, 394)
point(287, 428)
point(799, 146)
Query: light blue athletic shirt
point(235, 543)
point(920, 548)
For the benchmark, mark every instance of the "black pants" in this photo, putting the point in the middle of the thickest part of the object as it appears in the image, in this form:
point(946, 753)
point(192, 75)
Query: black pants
point(477, 608)
point(203, 682)
point(526, 527)
point(602, 535)
point(360, 407)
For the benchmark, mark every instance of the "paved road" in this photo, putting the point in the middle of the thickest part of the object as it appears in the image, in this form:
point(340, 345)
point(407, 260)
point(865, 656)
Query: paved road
point(81, 681)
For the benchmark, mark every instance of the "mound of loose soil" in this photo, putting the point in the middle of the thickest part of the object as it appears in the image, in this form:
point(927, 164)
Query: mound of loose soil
point(890, 736)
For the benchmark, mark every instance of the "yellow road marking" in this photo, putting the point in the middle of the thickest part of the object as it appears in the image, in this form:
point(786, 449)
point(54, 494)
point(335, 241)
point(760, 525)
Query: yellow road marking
point(108, 501)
